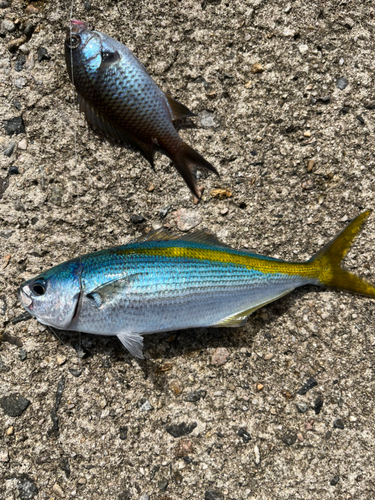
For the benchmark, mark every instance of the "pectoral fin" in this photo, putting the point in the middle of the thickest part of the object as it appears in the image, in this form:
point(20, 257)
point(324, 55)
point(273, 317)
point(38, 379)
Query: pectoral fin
point(111, 291)
point(177, 109)
point(133, 342)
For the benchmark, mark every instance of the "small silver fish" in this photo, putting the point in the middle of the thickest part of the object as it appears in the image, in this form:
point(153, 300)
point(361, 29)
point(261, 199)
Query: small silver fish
point(168, 282)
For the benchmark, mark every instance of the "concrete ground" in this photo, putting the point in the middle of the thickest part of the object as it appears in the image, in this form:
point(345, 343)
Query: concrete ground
point(285, 104)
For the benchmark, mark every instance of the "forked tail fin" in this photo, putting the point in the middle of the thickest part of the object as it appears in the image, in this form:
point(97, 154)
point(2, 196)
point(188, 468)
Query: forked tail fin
point(186, 161)
point(330, 257)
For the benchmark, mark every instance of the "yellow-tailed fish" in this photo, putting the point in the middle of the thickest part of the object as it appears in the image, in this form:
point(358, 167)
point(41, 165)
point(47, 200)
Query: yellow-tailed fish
point(166, 282)
point(119, 97)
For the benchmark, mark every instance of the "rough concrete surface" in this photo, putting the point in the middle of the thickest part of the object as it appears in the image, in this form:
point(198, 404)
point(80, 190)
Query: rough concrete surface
point(288, 412)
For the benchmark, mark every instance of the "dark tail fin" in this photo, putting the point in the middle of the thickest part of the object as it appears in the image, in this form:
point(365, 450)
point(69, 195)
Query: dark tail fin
point(330, 257)
point(186, 161)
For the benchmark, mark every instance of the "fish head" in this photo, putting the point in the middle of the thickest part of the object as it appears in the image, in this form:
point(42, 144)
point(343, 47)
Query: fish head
point(53, 297)
point(87, 50)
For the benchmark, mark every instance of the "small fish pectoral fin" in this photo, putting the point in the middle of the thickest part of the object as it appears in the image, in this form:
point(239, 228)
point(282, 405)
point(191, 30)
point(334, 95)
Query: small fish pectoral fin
point(111, 291)
point(133, 342)
point(177, 109)
point(99, 121)
point(240, 319)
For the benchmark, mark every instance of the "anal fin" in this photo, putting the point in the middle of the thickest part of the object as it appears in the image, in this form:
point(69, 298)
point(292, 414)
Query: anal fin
point(240, 318)
point(99, 121)
point(133, 342)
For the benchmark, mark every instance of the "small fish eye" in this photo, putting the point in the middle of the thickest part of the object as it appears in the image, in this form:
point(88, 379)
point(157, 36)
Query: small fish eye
point(39, 288)
point(73, 41)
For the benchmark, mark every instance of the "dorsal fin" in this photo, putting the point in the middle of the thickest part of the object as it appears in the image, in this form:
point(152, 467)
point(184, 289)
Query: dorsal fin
point(200, 236)
point(177, 109)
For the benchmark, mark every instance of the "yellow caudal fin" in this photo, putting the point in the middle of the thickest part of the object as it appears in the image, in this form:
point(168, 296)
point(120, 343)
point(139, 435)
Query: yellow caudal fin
point(330, 257)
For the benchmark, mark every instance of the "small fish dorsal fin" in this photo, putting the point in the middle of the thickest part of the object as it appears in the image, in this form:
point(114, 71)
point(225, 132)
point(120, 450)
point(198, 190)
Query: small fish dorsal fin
point(201, 236)
point(177, 109)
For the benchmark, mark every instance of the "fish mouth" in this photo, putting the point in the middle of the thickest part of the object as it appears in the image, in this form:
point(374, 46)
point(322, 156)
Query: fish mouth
point(24, 297)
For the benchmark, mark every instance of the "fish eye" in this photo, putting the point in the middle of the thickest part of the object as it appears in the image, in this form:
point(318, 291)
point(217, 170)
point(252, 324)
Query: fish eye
point(39, 287)
point(73, 41)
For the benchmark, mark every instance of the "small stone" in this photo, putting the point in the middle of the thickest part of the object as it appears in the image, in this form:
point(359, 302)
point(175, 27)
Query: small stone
point(10, 431)
point(30, 9)
point(360, 119)
point(334, 480)
point(300, 436)
point(14, 126)
point(30, 63)
point(220, 356)
point(242, 433)
point(58, 490)
point(342, 83)
point(20, 82)
point(307, 386)
point(324, 100)
point(309, 425)
point(224, 211)
point(369, 105)
point(213, 495)
point(163, 212)
point(338, 423)
point(176, 388)
point(184, 448)
point(21, 59)
point(231, 387)
point(22, 144)
point(43, 54)
point(82, 480)
point(303, 49)
point(187, 219)
point(137, 219)
point(25, 49)
point(27, 489)
point(144, 497)
point(7, 25)
point(13, 45)
point(341, 61)
point(195, 396)
point(352, 418)
point(302, 407)
point(22, 354)
point(310, 165)
point(259, 387)
point(61, 360)
point(257, 454)
point(179, 430)
point(318, 405)
point(146, 406)
point(268, 356)
point(289, 438)
point(14, 404)
point(29, 30)
point(64, 466)
point(123, 433)
point(257, 68)
point(75, 372)
point(207, 119)
point(4, 4)
point(221, 194)
point(150, 188)
point(307, 133)
point(163, 484)
point(4, 456)
point(248, 85)
point(9, 150)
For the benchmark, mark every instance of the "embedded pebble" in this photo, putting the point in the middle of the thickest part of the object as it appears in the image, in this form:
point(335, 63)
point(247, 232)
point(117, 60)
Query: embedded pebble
point(303, 49)
point(307, 386)
point(220, 356)
point(187, 219)
point(13, 45)
point(137, 219)
point(334, 480)
point(257, 454)
point(22, 144)
point(310, 165)
point(289, 438)
point(183, 448)
point(338, 423)
point(22, 354)
point(182, 429)
point(4, 456)
point(213, 495)
point(56, 488)
point(10, 431)
point(146, 406)
point(242, 433)
point(195, 396)
point(14, 126)
point(302, 407)
point(27, 488)
point(9, 150)
point(257, 68)
point(43, 54)
point(342, 83)
point(14, 404)
point(61, 360)
point(7, 25)
point(207, 119)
